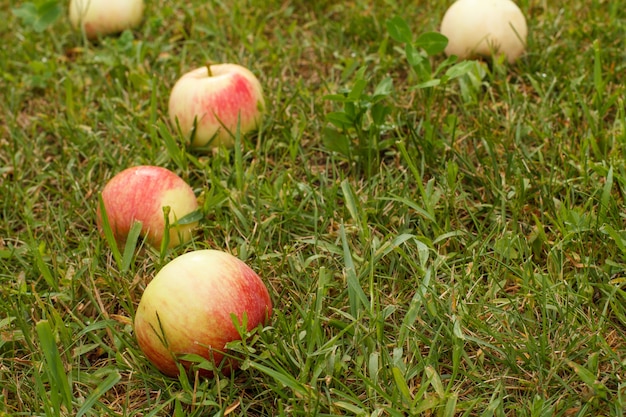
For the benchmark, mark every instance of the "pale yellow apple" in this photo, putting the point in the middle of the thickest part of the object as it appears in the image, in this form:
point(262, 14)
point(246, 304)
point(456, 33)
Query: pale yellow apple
point(485, 28)
point(105, 17)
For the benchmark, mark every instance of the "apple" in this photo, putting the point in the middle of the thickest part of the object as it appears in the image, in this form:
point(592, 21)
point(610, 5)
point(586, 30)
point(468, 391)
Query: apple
point(140, 194)
point(105, 17)
point(216, 99)
point(188, 308)
point(485, 28)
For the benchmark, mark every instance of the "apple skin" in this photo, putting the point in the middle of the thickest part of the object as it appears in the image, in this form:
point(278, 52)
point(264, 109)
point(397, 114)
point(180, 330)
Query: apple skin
point(105, 17)
point(217, 100)
point(139, 194)
point(483, 28)
point(188, 305)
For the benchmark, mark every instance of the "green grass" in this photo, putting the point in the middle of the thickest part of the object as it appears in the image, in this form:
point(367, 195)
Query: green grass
point(461, 255)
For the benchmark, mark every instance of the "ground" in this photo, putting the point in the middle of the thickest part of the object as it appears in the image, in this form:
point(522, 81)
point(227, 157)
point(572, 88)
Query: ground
point(433, 245)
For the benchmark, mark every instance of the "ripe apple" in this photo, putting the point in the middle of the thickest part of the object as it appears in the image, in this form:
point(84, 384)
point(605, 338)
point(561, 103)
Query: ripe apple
point(217, 98)
point(139, 194)
point(105, 17)
point(188, 308)
point(483, 28)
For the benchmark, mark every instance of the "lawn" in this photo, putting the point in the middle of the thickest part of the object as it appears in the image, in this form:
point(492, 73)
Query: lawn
point(438, 239)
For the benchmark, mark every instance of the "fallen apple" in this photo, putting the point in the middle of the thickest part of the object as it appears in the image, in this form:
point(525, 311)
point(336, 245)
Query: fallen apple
point(142, 193)
point(189, 307)
point(105, 17)
point(485, 28)
point(216, 100)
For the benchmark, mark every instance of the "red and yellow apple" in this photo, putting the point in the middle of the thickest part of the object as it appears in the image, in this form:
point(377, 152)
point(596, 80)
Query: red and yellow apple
point(189, 306)
point(105, 17)
point(140, 194)
point(216, 99)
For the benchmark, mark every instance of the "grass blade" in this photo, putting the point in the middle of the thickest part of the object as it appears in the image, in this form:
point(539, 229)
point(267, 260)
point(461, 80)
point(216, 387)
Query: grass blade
point(606, 196)
point(59, 381)
point(284, 378)
point(171, 146)
point(43, 268)
point(401, 385)
point(131, 244)
point(100, 390)
point(239, 171)
point(356, 294)
point(353, 207)
point(108, 233)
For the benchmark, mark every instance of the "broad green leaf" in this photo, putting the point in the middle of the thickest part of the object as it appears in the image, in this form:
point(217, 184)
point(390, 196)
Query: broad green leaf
point(379, 112)
point(413, 55)
point(384, 87)
point(27, 12)
point(48, 13)
point(399, 30)
point(427, 84)
point(357, 90)
point(340, 119)
point(432, 42)
point(336, 97)
point(336, 141)
point(39, 17)
point(460, 69)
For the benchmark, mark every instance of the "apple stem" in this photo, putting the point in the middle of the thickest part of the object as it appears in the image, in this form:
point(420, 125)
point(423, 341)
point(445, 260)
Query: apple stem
point(208, 68)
